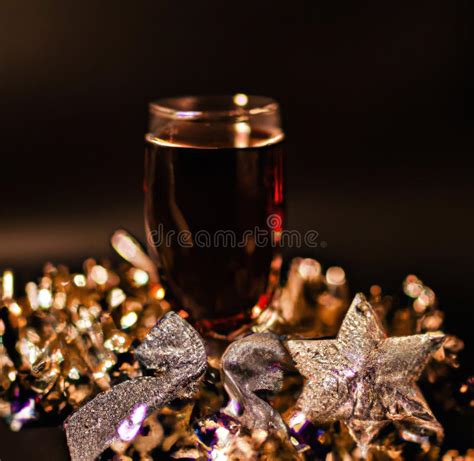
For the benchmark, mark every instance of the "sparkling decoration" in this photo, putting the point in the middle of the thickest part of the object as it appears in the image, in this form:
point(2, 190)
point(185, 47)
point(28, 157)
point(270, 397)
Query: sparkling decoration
point(252, 364)
point(70, 337)
point(248, 427)
point(172, 348)
point(454, 455)
point(365, 379)
point(310, 304)
point(85, 343)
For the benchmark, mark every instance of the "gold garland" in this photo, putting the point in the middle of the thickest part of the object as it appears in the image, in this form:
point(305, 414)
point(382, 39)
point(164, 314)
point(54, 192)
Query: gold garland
point(71, 336)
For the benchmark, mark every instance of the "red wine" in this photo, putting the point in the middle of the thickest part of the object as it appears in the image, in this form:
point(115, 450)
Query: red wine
point(204, 207)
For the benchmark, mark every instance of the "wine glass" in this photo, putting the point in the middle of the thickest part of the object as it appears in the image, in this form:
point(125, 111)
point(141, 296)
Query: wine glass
point(214, 198)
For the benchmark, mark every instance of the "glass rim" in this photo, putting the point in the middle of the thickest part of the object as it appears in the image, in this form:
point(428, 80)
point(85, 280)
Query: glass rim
point(239, 106)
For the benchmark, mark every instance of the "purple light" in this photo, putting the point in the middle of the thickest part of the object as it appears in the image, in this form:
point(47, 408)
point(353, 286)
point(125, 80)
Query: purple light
point(128, 428)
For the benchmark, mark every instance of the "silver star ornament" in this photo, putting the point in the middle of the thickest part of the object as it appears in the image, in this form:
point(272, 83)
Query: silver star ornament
point(365, 379)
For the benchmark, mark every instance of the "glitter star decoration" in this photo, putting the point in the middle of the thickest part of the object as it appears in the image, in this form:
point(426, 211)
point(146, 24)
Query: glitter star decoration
point(365, 379)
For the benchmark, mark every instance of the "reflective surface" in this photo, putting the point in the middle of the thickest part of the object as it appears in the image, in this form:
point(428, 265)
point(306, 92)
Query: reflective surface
point(211, 185)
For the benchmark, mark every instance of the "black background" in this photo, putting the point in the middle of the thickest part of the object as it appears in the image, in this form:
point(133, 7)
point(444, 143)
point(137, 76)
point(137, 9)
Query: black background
point(378, 107)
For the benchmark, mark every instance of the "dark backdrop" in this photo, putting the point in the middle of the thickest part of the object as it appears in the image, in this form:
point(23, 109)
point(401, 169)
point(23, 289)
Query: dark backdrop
point(378, 106)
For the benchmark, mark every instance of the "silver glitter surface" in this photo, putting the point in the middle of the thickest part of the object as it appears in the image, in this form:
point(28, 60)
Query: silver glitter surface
point(252, 364)
point(177, 354)
point(365, 379)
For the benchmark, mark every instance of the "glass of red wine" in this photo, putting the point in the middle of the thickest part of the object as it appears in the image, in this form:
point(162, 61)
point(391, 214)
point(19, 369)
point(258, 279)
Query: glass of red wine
point(214, 200)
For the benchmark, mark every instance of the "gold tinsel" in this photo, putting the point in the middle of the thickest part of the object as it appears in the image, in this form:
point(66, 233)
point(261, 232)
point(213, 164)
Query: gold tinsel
point(72, 336)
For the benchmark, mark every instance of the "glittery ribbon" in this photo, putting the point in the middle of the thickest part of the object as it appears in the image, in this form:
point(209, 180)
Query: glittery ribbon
point(252, 364)
point(176, 353)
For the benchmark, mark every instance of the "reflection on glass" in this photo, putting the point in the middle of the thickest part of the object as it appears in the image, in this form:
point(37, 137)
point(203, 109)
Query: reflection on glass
point(214, 186)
